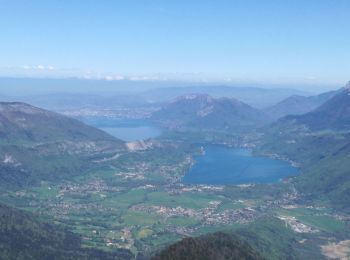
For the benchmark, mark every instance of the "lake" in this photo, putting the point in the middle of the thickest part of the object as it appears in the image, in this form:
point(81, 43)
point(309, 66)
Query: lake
point(223, 165)
point(124, 129)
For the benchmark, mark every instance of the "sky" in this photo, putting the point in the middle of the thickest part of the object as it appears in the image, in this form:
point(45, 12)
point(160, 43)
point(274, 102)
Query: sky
point(306, 41)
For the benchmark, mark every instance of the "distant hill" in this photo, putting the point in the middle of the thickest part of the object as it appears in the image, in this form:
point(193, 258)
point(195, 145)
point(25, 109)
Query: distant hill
point(23, 236)
point(202, 111)
point(39, 145)
point(209, 247)
point(258, 97)
point(297, 105)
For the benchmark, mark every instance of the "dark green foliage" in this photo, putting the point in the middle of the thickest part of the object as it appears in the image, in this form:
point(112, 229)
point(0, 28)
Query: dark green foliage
point(217, 246)
point(22, 236)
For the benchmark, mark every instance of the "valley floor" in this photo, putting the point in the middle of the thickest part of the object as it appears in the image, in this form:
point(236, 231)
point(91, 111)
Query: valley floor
point(137, 201)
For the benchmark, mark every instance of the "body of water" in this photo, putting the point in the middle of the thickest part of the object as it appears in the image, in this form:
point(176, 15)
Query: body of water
point(124, 129)
point(223, 165)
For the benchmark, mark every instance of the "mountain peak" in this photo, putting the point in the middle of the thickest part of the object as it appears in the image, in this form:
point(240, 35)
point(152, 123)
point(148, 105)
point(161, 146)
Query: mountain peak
point(23, 121)
point(19, 107)
point(204, 111)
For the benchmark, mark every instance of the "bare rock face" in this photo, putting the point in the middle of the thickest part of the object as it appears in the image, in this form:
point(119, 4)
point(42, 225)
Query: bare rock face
point(141, 145)
point(136, 146)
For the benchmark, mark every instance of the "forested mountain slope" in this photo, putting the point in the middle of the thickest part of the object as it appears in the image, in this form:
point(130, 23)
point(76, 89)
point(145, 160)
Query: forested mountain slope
point(38, 145)
point(320, 142)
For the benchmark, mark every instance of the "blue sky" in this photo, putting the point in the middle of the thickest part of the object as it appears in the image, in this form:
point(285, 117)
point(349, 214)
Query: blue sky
point(305, 41)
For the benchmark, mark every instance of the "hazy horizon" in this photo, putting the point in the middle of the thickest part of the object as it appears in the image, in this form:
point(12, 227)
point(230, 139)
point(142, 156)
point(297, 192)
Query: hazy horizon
point(189, 41)
point(22, 86)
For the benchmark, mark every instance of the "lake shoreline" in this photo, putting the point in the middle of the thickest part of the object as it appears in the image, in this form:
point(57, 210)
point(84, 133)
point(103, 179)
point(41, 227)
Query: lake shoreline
point(222, 165)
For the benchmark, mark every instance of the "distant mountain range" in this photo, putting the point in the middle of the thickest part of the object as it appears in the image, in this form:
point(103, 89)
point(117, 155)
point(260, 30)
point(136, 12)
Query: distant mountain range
point(206, 112)
point(201, 111)
point(63, 94)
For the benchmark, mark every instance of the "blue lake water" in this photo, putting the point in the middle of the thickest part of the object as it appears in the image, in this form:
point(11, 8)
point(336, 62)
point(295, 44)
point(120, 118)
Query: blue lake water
point(124, 129)
point(223, 165)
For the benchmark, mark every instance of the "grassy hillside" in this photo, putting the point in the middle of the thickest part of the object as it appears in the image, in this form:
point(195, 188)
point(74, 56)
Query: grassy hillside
point(274, 240)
